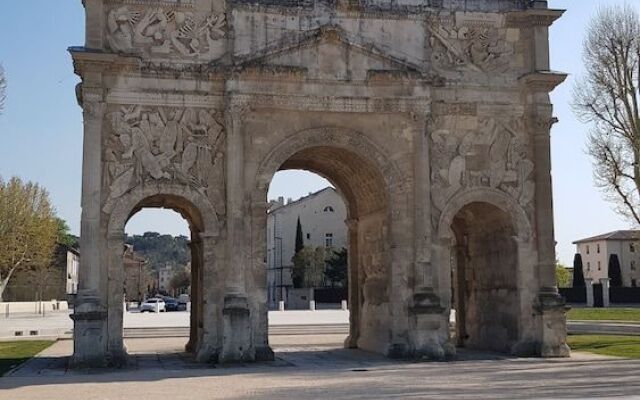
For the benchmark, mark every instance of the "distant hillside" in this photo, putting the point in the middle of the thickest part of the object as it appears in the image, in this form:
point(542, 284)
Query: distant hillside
point(160, 250)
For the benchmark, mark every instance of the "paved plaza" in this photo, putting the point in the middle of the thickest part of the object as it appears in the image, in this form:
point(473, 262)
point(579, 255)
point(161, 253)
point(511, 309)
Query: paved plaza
point(58, 324)
point(315, 367)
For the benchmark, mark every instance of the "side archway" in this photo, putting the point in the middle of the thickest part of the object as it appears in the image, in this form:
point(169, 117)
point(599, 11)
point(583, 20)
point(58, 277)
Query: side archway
point(485, 260)
point(197, 210)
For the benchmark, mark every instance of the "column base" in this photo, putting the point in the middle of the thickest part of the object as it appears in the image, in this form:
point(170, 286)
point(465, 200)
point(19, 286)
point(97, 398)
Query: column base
point(264, 354)
point(236, 341)
point(553, 309)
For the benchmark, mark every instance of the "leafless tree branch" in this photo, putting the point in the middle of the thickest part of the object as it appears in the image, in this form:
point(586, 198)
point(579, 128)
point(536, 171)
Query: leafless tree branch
point(607, 99)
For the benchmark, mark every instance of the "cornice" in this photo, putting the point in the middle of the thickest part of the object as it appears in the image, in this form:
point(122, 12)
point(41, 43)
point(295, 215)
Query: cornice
point(533, 17)
point(542, 81)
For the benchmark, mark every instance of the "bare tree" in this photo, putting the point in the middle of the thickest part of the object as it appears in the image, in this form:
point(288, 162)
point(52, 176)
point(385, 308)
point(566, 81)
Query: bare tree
point(3, 88)
point(607, 98)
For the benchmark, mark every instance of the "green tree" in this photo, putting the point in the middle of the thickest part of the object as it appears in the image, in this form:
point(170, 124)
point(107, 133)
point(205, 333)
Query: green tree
point(299, 237)
point(615, 274)
point(563, 276)
point(161, 250)
point(64, 235)
point(181, 280)
point(308, 267)
point(337, 266)
point(28, 228)
point(578, 274)
point(301, 261)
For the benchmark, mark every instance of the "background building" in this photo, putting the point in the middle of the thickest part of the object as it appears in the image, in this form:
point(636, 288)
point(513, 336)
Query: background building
point(322, 216)
point(138, 276)
point(56, 281)
point(164, 278)
point(596, 250)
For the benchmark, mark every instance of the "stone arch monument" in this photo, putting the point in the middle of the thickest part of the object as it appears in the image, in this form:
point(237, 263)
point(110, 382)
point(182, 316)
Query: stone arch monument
point(432, 118)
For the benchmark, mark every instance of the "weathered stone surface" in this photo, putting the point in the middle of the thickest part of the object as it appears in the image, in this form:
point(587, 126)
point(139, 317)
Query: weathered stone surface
point(431, 117)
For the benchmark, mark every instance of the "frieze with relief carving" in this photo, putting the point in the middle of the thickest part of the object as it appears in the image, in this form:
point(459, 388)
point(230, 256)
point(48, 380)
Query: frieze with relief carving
point(495, 155)
point(165, 32)
point(469, 46)
point(149, 144)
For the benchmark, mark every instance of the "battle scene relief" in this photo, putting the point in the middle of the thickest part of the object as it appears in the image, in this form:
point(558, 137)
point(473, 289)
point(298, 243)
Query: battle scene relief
point(164, 143)
point(495, 155)
point(166, 32)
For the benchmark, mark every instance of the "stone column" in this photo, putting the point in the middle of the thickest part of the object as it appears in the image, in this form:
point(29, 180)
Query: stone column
point(196, 293)
point(115, 292)
point(543, 202)
point(550, 306)
point(236, 340)
point(210, 299)
point(236, 207)
point(605, 292)
point(588, 286)
point(355, 297)
point(90, 313)
point(424, 273)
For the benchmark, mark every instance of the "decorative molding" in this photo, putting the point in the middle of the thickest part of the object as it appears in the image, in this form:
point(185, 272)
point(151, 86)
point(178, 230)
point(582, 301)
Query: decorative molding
point(440, 108)
point(168, 99)
point(418, 105)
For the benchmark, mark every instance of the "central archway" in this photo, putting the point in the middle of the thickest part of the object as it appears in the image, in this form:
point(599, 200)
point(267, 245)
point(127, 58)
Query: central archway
point(368, 183)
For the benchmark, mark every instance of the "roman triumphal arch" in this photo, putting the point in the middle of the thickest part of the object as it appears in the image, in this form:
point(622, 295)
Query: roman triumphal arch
point(431, 118)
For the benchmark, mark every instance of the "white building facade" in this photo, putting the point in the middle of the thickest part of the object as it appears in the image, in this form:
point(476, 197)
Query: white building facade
point(164, 278)
point(596, 251)
point(322, 217)
point(73, 265)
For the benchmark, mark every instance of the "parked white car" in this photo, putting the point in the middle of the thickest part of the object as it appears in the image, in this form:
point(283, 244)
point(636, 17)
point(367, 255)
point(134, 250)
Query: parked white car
point(153, 305)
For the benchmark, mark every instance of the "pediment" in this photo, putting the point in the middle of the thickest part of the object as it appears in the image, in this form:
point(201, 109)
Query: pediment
point(327, 53)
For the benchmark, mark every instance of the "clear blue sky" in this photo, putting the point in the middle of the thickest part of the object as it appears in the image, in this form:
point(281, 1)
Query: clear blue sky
point(41, 129)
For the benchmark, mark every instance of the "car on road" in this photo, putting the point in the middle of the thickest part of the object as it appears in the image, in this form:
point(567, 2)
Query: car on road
point(153, 305)
point(171, 304)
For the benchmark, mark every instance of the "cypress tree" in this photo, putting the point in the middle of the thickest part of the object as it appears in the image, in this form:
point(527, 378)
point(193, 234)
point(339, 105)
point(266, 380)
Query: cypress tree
point(614, 271)
point(578, 275)
point(299, 238)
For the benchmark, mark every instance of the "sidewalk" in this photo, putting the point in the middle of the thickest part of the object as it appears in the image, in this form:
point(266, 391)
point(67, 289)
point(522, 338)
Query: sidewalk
point(313, 367)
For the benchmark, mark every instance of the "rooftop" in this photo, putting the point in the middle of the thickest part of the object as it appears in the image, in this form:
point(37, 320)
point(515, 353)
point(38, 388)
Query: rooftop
point(279, 204)
point(615, 235)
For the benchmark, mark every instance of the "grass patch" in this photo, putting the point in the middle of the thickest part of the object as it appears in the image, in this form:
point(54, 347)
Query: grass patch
point(612, 314)
point(13, 354)
point(607, 345)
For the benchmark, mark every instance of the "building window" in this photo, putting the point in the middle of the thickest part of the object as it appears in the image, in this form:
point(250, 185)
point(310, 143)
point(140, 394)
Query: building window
point(598, 248)
point(328, 209)
point(599, 269)
point(328, 240)
point(587, 249)
point(588, 266)
point(633, 283)
point(308, 236)
point(632, 247)
point(633, 265)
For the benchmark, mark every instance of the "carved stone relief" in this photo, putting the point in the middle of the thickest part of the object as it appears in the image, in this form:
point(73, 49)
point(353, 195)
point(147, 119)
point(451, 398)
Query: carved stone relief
point(469, 46)
point(154, 143)
point(494, 155)
point(166, 32)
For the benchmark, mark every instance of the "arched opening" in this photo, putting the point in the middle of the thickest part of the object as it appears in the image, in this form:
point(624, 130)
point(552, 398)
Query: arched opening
point(306, 243)
point(485, 278)
point(358, 182)
point(162, 244)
